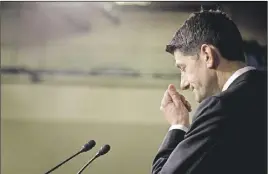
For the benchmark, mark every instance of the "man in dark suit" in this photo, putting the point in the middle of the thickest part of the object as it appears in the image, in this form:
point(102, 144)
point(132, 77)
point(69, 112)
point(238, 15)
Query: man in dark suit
point(228, 131)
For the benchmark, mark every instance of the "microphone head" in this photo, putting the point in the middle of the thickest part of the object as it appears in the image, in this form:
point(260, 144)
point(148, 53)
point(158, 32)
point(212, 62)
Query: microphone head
point(104, 149)
point(89, 145)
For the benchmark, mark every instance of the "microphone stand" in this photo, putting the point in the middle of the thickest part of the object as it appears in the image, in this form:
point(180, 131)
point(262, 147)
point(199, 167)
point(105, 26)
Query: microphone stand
point(85, 166)
point(54, 168)
point(85, 148)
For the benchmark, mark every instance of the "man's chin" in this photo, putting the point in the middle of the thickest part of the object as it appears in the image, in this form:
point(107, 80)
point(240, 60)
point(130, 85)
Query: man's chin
point(198, 98)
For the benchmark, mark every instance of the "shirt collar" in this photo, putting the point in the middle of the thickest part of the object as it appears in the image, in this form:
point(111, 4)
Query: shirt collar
point(236, 75)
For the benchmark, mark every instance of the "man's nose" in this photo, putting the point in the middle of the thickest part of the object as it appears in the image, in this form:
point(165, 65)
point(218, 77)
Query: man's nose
point(184, 84)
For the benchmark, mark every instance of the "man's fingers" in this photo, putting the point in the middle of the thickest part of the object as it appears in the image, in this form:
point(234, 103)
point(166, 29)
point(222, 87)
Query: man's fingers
point(188, 106)
point(183, 99)
point(172, 96)
point(176, 97)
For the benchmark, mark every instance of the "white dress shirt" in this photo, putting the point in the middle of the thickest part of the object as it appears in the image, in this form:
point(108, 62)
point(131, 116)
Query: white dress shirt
point(225, 86)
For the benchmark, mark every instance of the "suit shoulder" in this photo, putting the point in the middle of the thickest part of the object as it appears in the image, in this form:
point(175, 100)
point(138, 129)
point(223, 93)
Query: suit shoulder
point(210, 104)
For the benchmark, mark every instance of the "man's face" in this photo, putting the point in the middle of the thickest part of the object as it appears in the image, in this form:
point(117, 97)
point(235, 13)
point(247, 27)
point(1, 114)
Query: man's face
point(196, 76)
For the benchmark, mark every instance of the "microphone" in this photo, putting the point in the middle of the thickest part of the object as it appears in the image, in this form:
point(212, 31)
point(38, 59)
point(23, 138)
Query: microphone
point(104, 149)
point(89, 145)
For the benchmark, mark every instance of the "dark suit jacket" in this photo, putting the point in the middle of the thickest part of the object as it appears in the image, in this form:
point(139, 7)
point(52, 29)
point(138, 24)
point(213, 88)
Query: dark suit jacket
point(228, 134)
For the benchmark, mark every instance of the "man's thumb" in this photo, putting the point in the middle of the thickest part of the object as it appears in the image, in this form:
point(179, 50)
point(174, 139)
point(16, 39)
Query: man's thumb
point(173, 92)
point(172, 88)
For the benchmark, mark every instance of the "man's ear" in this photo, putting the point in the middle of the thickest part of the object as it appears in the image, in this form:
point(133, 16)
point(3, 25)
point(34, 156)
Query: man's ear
point(209, 55)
